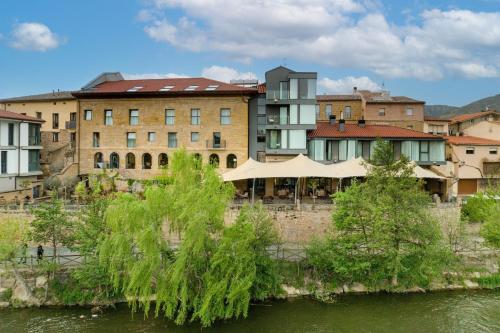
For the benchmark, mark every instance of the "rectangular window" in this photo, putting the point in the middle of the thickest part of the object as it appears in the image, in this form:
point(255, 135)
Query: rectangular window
point(195, 136)
point(134, 117)
point(11, 134)
point(332, 150)
point(108, 117)
point(33, 160)
point(409, 111)
point(131, 139)
point(95, 139)
point(411, 149)
point(328, 111)
point(73, 137)
point(294, 114)
point(493, 151)
point(72, 116)
point(217, 139)
point(3, 160)
point(317, 111)
point(55, 137)
point(307, 88)
point(151, 136)
point(55, 120)
point(87, 114)
point(274, 139)
point(284, 139)
point(172, 140)
point(169, 116)
point(469, 150)
point(195, 116)
point(39, 115)
point(319, 150)
point(424, 151)
point(283, 115)
point(297, 139)
point(225, 116)
point(307, 114)
point(381, 112)
point(347, 112)
point(284, 90)
point(294, 88)
point(436, 151)
point(34, 137)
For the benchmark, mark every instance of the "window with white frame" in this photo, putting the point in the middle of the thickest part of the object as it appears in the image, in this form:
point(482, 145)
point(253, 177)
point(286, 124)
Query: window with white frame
point(469, 150)
point(131, 139)
point(151, 136)
point(195, 116)
point(108, 117)
point(225, 116)
point(409, 111)
point(169, 116)
point(493, 150)
point(134, 117)
point(87, 114)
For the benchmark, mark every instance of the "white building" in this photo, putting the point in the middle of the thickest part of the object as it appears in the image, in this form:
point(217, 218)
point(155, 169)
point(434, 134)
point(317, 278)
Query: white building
point(19, 156)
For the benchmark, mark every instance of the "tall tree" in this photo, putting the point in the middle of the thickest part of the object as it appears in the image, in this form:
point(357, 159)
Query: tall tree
point(51, 224)
point(383, 229)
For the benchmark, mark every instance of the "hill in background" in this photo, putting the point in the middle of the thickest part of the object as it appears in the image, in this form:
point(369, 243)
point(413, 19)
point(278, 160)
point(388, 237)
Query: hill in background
point(447, 111)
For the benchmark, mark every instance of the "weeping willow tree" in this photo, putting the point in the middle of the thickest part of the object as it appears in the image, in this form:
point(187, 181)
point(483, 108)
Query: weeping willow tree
point(212, 274)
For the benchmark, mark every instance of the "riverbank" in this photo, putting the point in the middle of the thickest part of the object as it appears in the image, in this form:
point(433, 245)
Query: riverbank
point(455, 311)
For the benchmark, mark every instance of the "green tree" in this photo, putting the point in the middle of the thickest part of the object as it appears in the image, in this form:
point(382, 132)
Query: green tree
point(490, 229)
point(383, 229)
point(51, 224)
point(185, 281)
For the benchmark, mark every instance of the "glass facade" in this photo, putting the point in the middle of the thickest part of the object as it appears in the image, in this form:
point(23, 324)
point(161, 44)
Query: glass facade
point(33, 160)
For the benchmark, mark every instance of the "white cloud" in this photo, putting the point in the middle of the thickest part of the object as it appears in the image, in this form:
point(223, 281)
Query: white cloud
point(345, 85)
point(153, 76)
point(34, 36)
point(226, 74)
point(474, 70)
point(337, 33)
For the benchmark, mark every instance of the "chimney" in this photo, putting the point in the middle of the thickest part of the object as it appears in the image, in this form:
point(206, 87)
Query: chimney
point(332, 119)
point(361, 123)
point(341, 125)
point(354, 90)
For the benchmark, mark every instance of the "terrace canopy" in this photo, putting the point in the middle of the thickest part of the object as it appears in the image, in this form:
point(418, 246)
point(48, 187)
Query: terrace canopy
point(298, 167)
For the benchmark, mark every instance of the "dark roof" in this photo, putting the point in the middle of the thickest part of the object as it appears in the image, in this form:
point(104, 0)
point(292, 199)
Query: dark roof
point(17, 116)
point(427, 118)
point(177, 86)
point(338, 97)
point(53, 96)
point(471, 140)
point(327, 130)
point(464, 117)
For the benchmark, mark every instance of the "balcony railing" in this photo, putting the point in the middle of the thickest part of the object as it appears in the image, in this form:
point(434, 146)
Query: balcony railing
point(211, 144)
point(71, 124)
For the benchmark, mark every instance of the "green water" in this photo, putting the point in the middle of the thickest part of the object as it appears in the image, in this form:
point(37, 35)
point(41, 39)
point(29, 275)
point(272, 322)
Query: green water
point(436, 312)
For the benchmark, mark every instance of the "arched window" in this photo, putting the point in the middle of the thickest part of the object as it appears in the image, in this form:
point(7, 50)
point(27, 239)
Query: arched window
point(130, 161)
point(162, 160)
point(98, 161)
point(231, 161)
point(114, 161)
point(214, 160)
point(146, 161)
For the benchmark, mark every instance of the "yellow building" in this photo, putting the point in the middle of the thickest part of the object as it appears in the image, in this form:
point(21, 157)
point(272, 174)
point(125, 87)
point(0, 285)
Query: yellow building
point(134, 126)
point(348, 107)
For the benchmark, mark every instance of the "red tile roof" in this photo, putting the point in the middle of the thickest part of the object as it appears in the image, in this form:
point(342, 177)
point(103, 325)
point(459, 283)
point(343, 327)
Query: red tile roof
point(326, 130)
point(471, 140)
point(338, 97)
point(464, 117)
point(17, 116)
point(178, 86)
point(385, 98)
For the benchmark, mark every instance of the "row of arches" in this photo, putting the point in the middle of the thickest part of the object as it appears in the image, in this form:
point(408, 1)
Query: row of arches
point(147, 160)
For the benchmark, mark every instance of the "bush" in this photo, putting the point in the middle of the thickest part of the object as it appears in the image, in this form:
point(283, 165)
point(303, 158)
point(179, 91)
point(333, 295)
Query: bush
point(478, 208)
point(6, 295)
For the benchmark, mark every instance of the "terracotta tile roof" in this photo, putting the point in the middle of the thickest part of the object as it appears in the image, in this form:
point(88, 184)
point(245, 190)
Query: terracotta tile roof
point(385, 97)
point(261, 88)
point(165, 86)
point(17, 116)
point(427, 118)
point(471, 140)
point(53, 96)
point(338, 97)
point(464, 117)
point(326, 130)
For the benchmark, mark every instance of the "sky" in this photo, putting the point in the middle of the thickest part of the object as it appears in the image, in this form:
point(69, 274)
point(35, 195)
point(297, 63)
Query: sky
point(443, 52)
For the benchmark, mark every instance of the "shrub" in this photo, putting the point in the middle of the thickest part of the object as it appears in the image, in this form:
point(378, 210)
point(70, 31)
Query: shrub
point(478, 208)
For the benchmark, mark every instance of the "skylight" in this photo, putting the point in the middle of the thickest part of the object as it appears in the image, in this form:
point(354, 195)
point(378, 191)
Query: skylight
point(167, 88)
point(212, 87)
point(191, 88)
point(136, 88)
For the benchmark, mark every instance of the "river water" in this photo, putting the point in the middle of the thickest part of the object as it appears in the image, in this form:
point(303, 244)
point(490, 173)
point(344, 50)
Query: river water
point(463, 311)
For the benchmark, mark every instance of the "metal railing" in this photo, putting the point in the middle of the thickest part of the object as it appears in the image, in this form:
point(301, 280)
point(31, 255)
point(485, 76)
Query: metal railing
point(31, 262)
point(71, 124)
point(211, 144)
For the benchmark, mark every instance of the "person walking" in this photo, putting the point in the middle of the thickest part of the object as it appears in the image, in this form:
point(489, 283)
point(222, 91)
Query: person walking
point(39, 252)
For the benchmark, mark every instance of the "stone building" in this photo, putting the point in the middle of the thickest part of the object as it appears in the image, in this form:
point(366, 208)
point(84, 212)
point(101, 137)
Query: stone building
point(58, 132)
point(347, 107)
point(20, 148)
point(134, 126)
point(435, 125)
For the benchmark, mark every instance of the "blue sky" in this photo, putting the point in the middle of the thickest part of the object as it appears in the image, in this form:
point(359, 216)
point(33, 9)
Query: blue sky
point(444, 52)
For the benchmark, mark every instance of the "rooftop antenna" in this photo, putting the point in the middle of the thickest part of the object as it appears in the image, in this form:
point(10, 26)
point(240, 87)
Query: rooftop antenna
point(383, 85)
point(284, 62)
